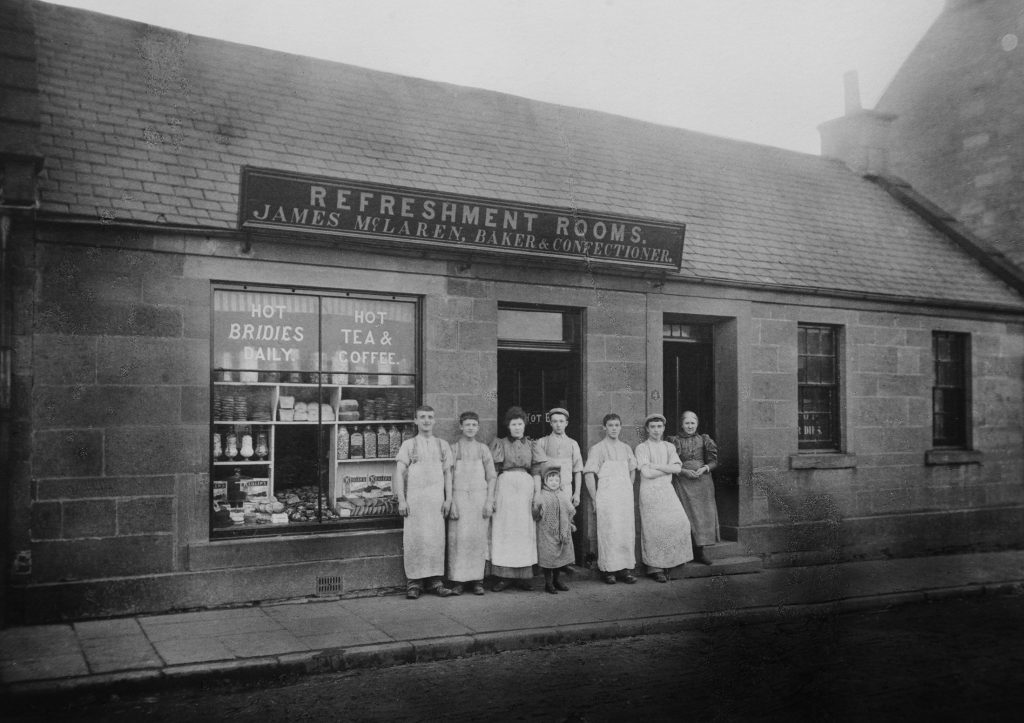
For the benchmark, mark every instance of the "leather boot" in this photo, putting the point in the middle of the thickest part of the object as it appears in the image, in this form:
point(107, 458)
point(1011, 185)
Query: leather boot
point(559, 585)
point(549, 586)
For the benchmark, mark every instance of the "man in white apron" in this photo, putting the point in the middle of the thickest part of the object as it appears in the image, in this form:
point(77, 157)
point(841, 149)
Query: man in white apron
point(472, 505)
point(609, 478)
point(423, 486)
point(560, 451)
point(664, 526)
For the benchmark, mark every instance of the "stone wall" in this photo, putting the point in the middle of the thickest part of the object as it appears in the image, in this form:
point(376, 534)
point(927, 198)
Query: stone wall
point(848, 505)
point(119, 409)
point(959, 132)
point(110, 483)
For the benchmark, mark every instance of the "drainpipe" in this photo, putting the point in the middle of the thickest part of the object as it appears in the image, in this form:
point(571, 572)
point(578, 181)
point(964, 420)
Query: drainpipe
point(20, 163)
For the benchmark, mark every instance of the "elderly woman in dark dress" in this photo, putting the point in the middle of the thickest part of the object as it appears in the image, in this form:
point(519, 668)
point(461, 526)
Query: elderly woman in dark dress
point(516, 506)
point(696, 490)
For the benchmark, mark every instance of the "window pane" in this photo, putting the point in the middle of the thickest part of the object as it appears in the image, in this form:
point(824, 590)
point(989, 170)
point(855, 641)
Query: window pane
point(520, 325)
point(813, 341)
point(818, 391)
point(265, 332)
point(949, 394)
point(369, 336)
point(828, 375)
point(827, 342)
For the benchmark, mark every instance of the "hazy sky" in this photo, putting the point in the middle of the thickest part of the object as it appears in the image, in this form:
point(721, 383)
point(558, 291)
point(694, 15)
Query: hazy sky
point(767, 71)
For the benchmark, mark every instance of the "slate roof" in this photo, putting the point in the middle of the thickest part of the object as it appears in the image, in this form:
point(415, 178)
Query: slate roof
point(145, 124)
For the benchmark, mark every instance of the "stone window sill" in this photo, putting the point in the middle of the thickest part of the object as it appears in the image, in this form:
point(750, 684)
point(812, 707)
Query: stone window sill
point(822, 460)
point(952, 456)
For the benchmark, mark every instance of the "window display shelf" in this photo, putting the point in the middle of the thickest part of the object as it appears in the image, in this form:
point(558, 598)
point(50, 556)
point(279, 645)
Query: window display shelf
point(373, 386)
point(313, 385)
point(374, 422)
point(365, 459)
point(242, 463)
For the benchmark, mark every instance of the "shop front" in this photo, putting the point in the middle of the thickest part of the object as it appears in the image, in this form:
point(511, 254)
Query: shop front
point(220, 319)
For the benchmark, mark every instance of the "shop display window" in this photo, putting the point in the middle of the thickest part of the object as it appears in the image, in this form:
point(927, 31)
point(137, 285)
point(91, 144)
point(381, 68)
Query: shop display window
point(312, 395)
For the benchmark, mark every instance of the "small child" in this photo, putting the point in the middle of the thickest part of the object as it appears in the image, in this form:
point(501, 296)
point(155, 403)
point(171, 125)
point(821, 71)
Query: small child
point(554, 531)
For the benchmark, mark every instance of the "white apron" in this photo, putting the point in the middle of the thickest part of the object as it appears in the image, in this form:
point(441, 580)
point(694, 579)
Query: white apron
point(513, 531)
point(664, 527)
point(423, 531)
point(467, 536)
point(616, 549)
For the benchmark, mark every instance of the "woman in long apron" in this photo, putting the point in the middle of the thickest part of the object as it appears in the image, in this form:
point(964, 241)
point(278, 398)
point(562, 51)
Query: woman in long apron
point(609, 478)
point(694, 485)
point(472, 504)
point(516, 502)
point(664, 527)
point(423, 486)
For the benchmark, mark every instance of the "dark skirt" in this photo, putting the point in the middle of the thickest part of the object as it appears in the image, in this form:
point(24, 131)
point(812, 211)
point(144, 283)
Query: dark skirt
point(516, 573)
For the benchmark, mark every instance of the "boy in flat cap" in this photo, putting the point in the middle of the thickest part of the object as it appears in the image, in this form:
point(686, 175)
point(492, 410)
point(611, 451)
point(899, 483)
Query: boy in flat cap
point(560, 451)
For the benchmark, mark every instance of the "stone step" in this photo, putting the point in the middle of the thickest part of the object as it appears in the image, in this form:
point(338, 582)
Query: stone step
point(725, 549)
point(736, 565)
point(727, 558)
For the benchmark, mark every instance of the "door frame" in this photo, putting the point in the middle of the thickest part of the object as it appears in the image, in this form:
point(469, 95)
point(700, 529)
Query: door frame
point(572, 343)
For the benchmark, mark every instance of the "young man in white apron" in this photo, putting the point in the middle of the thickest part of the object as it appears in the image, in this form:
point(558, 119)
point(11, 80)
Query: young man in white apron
point(472, 506)
point(423, 486)
point(664, 526)
point(560, 451)
point(609, 478)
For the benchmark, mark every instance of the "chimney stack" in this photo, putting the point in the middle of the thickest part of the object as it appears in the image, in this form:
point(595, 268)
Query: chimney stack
point(860, 137)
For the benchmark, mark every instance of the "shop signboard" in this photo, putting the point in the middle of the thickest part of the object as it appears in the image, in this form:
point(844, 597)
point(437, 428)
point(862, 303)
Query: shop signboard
point(278, 201)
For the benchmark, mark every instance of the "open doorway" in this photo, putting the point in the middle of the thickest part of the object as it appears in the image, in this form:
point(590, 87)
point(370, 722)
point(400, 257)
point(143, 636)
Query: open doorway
point(689, 369)
point(537, 381)
point(539, 367)
point(690, 384)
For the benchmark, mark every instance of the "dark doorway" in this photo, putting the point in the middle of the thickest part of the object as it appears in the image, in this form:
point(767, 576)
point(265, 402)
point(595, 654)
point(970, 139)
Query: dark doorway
point(538, 381)
point(539, 365)
point(539, 368)
point(689, 383)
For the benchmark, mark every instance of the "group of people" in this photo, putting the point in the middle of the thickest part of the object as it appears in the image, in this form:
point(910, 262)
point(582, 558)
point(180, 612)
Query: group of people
point(512, 504)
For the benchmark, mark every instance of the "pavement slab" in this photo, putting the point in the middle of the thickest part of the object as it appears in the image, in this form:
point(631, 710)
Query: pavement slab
point(247, 621)
point(106, 655)
point(317, 635)
point(271, 642)
point(50, 667)
point(116, 628)
point(179, 651)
